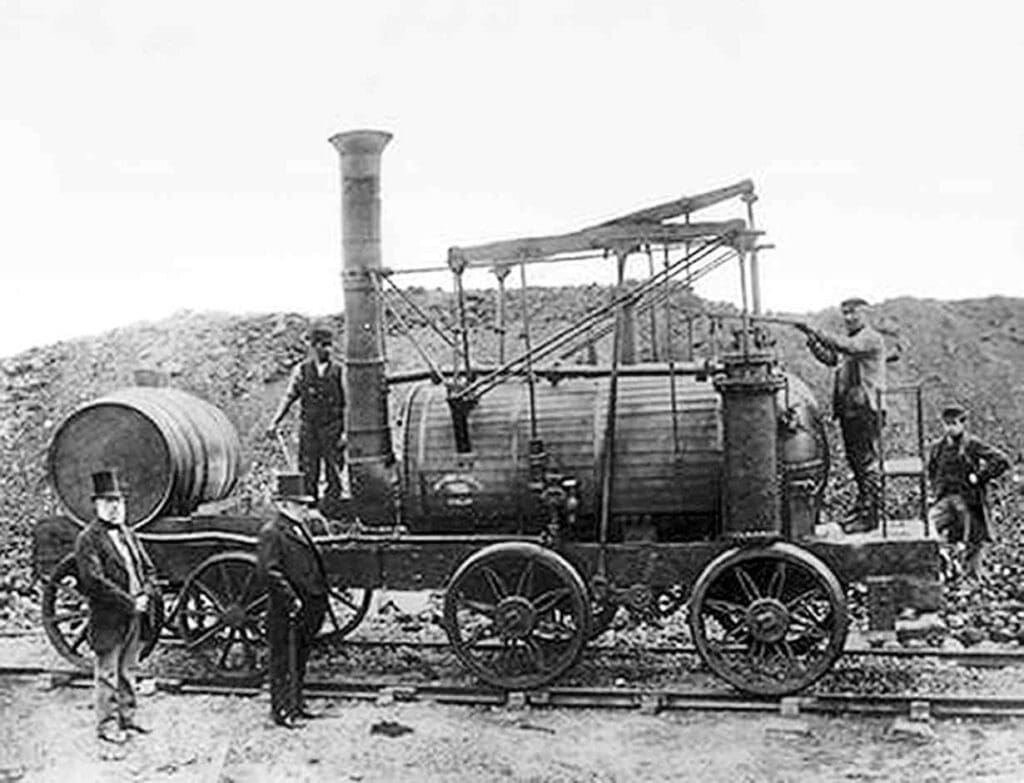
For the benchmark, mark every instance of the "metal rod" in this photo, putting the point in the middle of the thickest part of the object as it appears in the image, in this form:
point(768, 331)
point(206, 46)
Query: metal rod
point(923, 478)
point(755, 276)
point(670, 355)
point(428, 320)
point(608, 454)
point(501, 273)
point(560, 338)
point(530, 379)
point(745, 342)
point(463, 328)
point(879, 402)
point(658, 296)
point(435, 372)
point(654, 312)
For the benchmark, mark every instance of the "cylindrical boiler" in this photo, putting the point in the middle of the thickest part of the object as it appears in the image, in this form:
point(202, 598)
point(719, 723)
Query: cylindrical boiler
point(174, 451)
point(676, 484)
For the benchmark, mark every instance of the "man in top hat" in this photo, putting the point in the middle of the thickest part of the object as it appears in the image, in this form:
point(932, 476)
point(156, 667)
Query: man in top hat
point(317, 383)
point(959, 467)
point(117, 577)
point(859, 359)
point(290, 565)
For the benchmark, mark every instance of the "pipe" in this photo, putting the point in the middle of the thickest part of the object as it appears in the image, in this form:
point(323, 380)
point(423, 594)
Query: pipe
point(370, 454)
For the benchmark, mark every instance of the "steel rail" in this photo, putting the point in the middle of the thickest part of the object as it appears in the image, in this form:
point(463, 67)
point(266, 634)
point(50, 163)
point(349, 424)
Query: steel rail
point(649, 700)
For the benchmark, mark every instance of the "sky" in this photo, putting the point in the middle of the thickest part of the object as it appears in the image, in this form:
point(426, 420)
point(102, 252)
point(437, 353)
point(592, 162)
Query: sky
point(156, 157)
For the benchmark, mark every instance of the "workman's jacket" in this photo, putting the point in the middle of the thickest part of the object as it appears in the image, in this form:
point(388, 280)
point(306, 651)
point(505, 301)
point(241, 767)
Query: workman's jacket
point(951, 461)
point(860, 373)
point(105, 580)
point(321, 396)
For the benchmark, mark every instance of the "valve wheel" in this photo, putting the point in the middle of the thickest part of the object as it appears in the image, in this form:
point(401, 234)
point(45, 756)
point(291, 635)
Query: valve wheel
point(769, 620)
point(517, 615)
point(221, 614)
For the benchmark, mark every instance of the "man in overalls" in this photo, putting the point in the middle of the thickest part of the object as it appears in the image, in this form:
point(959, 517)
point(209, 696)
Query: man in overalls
point(317, 383)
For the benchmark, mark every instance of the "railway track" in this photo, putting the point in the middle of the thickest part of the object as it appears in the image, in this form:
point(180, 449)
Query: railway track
point(969, 658)
point(915, 706)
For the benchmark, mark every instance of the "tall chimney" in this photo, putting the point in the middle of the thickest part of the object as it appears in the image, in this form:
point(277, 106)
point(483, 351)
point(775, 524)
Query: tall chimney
point(370, 456)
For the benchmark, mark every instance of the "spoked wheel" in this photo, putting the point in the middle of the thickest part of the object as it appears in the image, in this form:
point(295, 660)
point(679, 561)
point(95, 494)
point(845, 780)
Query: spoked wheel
point(66, 613)
point(346, 608)
point(769, 620)
point(66, 616)
point(517, 615)
point(221, 613)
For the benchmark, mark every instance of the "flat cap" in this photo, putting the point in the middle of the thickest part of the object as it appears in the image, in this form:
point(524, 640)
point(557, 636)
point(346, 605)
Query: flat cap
point(953, 412)
point(321, 332)
point(854, 301)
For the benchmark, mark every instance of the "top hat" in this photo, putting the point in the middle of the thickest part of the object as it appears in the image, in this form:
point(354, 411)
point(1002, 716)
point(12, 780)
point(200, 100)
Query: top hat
point(853, 301)
point(106, 484)
point(953, 412)
point(291, 486)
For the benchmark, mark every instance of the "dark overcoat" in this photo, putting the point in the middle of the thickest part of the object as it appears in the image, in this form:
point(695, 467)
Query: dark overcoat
point(103, 579)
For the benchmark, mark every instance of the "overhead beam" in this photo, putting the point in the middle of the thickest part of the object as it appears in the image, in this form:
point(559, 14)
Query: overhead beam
point(686, 205)
point(610, 236)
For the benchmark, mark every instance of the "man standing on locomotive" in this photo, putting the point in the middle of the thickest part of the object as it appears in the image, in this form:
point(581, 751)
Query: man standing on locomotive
point(317, 383)
point(959, 467)
point(860, 375)
point(290, 565)
point(117, 577)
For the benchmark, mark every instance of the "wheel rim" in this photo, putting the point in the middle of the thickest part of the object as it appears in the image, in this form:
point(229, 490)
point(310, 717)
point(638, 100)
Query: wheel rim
point(770, 620)
point(517, 615)
point(221, 614)
point(346, 608)
point(66, 613)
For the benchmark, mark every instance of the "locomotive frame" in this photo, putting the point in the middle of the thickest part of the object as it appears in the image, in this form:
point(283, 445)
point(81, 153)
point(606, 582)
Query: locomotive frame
point(766, 598)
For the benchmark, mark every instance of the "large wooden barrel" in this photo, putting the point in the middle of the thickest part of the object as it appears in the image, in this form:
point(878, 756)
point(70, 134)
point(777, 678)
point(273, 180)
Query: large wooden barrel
point(173, 450)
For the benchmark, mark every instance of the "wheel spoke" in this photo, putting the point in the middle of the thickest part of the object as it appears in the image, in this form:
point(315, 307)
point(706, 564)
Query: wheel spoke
point(229, 584)
point(257, 604)
point(477, 634)
point(495, 582)
point(80, 637)
point(77, 614)
point(545, 602)
point(722, 606)
point(525, 585)
point(778, 580)
point(223, 659)
point(478, 607)
point(535, 654)
point(207, 634)
point(343, 597)
point(803, 598)
point(248, 583)
point(747, 584)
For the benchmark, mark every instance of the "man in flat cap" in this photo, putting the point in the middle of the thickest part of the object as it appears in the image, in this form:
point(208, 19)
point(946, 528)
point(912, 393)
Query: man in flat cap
point(117, 577)
point(959, 467)
point(859, 359)
point(290, 565)
point(317, 383)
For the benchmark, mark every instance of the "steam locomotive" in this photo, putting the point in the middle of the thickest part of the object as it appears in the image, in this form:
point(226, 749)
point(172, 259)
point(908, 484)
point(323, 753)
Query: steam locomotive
point(541, 496)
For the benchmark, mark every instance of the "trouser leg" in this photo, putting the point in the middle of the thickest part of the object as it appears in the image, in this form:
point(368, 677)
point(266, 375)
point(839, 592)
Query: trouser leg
point(105, 685)
point(127, 670)
point(860, 442)
point(309, 462)
point(281, 686)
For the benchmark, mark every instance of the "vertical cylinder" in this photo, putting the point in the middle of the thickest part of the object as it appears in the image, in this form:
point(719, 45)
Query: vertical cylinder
point(370, 454)
point(750, 481)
